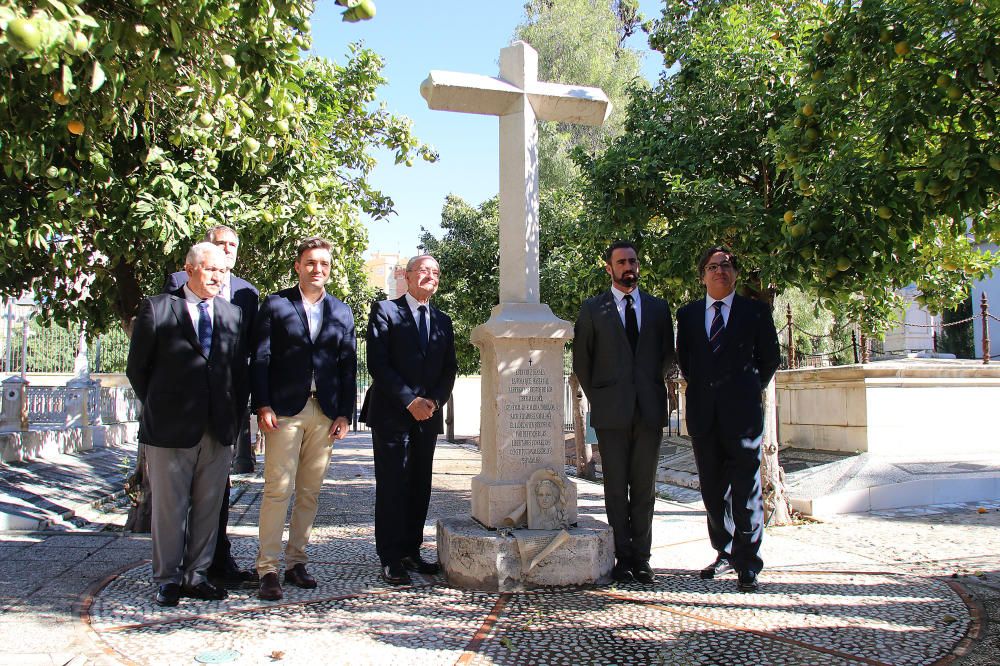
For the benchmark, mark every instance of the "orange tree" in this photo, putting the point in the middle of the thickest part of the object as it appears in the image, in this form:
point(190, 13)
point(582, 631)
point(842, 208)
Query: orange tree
point(695, 165)
point(894, 151)
point(131, 127)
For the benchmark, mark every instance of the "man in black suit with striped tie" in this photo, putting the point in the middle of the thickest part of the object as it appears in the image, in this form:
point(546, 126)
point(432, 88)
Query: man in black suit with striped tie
point(727, 350)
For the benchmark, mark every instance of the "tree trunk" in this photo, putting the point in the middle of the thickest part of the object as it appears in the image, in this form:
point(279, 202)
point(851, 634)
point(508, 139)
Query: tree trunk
point(585, 467)
point(140, 514)
point(772, 477)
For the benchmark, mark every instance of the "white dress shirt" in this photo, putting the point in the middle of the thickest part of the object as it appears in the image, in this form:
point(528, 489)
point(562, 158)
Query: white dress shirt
point(191, 300)
point(314, 315)
point(710, 311)
point(415, 310)
point(314, 321)
point(620, 304)
point(226, 292)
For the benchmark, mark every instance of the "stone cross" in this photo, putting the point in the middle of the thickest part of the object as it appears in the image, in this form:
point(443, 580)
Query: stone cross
point(519, 99)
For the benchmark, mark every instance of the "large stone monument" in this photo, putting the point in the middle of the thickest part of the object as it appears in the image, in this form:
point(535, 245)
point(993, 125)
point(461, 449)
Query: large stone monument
point(521, 348)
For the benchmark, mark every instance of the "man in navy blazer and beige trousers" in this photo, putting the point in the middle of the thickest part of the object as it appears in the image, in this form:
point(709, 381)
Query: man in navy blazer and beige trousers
point(302, 375)
point(187, 365)
point(411, 358)
point(728, 351)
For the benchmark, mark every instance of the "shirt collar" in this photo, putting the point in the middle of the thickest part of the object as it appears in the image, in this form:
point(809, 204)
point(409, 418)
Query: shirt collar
point(192, 297)
point(620, 295)
point(414, 303)
point(305, 301)
point(728, 300)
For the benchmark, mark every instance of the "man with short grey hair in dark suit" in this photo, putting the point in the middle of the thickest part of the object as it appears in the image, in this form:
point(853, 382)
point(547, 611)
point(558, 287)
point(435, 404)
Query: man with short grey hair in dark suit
point(186, 363)
point(245, 296)
point(622, 352)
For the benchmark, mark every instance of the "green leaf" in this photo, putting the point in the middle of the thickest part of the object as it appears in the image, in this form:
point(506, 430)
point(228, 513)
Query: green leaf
point(175, 32)
point(97, 77)
point(67, 80)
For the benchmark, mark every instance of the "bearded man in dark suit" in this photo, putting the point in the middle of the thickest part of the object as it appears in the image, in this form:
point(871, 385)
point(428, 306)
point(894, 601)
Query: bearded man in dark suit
point(727, 349)
point(623, 350)
point(411, 358)
point(187, 365)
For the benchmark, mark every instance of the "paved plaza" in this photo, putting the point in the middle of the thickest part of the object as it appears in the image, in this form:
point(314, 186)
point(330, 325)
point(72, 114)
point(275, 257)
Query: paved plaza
point(903, 587)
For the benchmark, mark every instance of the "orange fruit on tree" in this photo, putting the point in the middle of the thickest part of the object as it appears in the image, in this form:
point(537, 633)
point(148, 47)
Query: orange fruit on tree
point(75, 127)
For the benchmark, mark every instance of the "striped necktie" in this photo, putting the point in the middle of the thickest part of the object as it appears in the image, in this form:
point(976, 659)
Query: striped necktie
point(204, 328)
point(715, 332)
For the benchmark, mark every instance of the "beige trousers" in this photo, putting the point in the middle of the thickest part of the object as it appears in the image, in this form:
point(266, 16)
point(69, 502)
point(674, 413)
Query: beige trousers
point(296, 456)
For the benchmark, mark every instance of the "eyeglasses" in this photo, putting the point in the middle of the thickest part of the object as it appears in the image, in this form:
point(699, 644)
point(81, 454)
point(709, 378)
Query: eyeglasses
point(426, 271)
point(722, 265)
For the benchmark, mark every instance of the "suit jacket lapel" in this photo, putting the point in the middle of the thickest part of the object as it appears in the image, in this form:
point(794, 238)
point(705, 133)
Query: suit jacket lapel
point(221, 322)
point(701, 331)
point(326, 326)
point(408, 320)
point(610, 309)
point(296, 299)
point(179, 307)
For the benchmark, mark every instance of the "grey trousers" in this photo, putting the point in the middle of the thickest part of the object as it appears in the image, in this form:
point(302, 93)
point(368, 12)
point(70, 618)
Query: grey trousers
point(187, 486)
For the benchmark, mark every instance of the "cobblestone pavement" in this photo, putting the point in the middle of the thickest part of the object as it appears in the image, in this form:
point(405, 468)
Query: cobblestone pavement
point(900, 588)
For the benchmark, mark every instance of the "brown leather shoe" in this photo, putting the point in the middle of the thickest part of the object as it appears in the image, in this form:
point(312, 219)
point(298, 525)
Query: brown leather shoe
point(299, 577)
point(270, 588)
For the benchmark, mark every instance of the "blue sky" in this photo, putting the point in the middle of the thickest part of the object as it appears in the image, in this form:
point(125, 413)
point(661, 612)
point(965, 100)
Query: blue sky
point(414, 37)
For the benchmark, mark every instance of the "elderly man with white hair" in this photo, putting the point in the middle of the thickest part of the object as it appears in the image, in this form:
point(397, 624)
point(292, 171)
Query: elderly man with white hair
point(186, 363)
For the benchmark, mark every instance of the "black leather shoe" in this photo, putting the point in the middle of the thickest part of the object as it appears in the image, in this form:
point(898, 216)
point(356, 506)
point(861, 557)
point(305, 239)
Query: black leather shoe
point(299, 577)
point(242, 466)
point(643, 573)
point(395, 574)
point(204, 590)
point(720, 566)
point(622, 573)
point(420, 565)
point(231, 578)
point(168, 594)
point(270, 588)
point(747, 582)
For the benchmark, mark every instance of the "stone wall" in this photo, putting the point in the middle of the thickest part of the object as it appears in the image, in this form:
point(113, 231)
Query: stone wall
point(891, 408)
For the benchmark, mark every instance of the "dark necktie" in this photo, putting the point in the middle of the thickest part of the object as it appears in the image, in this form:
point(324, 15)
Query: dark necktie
point(422, 330)
point(631, 323)
point(715, 332)
point(204, 328)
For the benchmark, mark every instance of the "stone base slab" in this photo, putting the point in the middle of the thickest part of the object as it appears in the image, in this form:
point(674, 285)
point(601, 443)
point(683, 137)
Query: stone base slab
point(475, 558)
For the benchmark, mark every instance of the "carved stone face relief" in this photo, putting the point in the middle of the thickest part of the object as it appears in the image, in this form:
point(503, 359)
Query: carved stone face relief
point(546, 494)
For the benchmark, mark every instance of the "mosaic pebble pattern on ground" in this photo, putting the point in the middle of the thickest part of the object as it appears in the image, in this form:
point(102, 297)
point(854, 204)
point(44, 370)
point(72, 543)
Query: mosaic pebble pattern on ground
point(845, 613)
point(799, 618)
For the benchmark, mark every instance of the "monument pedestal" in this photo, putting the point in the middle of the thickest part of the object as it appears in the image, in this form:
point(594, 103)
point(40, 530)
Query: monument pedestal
point(521, 441)
point(475, 558)
point(521, 430)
